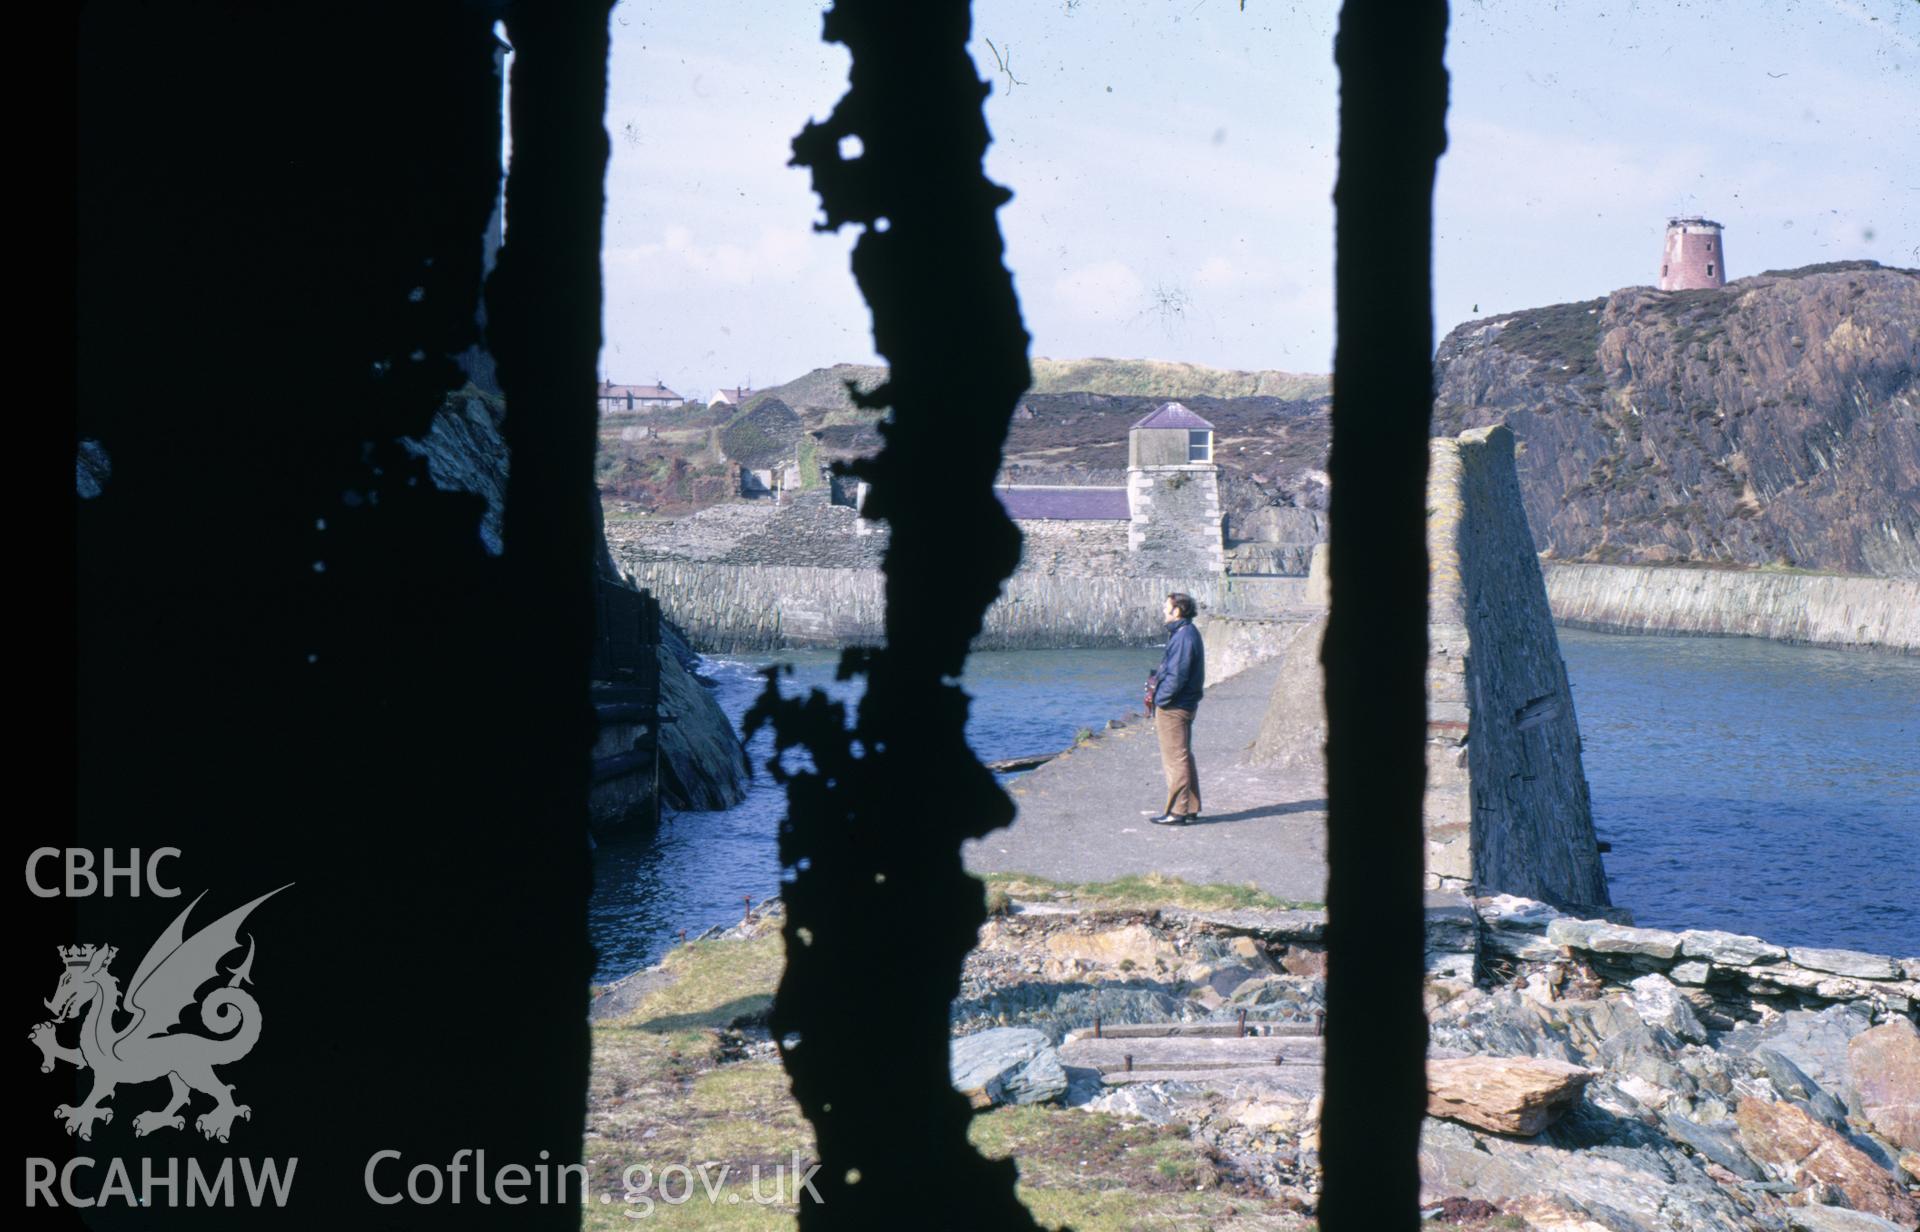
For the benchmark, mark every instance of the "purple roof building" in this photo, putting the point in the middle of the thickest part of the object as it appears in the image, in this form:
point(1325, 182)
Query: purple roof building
point(1063, 503)
point(1170, 506)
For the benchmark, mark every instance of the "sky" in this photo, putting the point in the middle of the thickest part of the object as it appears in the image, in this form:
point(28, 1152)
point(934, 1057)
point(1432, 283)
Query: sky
point(1172, 164)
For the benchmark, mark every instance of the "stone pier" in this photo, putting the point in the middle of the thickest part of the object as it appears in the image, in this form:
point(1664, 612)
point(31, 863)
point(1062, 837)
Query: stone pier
point(1506, 805)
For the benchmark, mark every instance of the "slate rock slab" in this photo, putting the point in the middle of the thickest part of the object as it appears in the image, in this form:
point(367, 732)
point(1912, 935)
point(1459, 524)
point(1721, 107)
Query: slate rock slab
point(1007, 1065)
point(1729, 949)
point(1837, 1219)
point(1793, 1083)
point(1816, 1041)
point(1508, 1095)
point(1846, 962)
point(1661, 1004)
point(1715, 1143)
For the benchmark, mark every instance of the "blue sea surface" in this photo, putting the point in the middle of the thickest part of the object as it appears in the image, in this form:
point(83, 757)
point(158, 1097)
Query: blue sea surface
point(696, 869)
point(1755, 787)
point(1744, 785)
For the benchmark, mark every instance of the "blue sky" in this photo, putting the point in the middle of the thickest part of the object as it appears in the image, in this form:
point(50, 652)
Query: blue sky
point(1173, 160)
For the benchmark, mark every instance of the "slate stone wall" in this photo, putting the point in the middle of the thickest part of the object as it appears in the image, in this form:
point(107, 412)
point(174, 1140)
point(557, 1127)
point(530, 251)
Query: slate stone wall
point(1060, 546)
point(1506, 807)
point(1177, 524)
point(1820, 609)
point(726, 607)
point(1504, 763)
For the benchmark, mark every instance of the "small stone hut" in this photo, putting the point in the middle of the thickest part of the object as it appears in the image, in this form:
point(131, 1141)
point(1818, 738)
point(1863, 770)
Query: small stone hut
point(1173, 494)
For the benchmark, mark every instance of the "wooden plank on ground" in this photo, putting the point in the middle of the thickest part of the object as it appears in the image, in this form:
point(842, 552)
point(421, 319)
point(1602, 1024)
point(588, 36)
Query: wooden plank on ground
point(1300, 1081)
point(1190, 1030)
point(1189, 1052)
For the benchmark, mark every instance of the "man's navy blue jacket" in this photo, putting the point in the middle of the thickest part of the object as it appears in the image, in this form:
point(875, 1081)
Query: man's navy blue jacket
point(1182, 670)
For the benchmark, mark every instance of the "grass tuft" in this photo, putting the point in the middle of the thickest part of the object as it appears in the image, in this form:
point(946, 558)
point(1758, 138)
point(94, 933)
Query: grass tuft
point(1143, 891)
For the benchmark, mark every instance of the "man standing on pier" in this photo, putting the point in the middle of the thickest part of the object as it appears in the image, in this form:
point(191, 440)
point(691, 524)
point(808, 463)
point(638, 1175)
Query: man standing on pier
point(1173, 694)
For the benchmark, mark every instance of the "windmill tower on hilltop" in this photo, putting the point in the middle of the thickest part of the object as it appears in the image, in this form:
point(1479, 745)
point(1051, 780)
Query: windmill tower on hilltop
point(1694, 257)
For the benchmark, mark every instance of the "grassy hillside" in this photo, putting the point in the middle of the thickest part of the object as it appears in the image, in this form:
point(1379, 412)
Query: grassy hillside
point(1159, 378)
point(824, 389)
point(1074, 418)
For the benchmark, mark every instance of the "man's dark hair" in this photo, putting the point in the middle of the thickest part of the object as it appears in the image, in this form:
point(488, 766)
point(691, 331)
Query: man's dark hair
point(1182, 603)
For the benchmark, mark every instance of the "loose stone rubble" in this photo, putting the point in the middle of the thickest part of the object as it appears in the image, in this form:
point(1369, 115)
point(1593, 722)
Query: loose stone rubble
point(1584, 1073)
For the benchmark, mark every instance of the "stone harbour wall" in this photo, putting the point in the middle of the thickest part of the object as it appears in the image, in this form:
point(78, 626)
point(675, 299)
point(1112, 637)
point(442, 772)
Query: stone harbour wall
point(1493, 656)
point(1813, 608)
point(1059, 546)
point(727, 607)
point(1506, 807)
point(1236, 643)
point(1733, 974)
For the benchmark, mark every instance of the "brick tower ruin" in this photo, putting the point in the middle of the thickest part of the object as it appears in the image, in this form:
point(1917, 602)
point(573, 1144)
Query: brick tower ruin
point(1694, 257)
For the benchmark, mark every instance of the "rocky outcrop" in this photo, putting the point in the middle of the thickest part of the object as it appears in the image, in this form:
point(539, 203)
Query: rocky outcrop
point(1772, 421)
point(703, 763)
point(1586, 1085)
point(1762, 1125)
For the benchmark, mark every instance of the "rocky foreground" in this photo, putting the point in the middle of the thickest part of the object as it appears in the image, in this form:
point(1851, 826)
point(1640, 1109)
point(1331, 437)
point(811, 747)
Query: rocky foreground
point(1584, 1074)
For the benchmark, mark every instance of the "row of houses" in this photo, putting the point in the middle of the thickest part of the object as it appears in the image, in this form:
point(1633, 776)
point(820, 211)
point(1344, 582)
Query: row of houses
point(631, 399)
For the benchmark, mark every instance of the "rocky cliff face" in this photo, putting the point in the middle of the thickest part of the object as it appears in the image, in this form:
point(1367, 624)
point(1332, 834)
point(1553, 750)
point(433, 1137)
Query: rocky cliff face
point(1775, 421)
point(704, 762)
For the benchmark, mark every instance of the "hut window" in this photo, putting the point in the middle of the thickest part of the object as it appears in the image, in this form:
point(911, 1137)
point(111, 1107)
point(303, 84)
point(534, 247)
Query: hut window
point(1199, 445)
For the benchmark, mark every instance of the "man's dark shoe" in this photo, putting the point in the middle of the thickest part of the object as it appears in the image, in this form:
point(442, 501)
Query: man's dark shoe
point(1168, 819)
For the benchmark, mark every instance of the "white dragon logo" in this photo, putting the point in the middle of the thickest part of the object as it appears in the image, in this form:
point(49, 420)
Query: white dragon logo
point(142, 1050)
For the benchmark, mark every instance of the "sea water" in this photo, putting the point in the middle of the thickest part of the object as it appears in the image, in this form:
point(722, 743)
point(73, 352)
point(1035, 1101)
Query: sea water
point(1743, 785)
